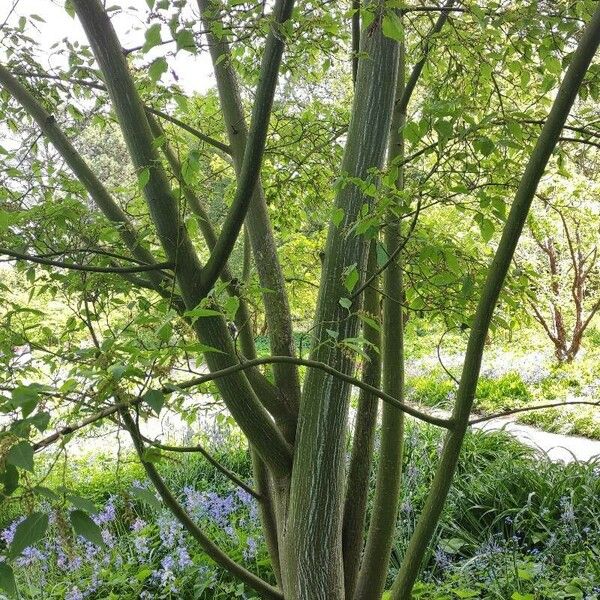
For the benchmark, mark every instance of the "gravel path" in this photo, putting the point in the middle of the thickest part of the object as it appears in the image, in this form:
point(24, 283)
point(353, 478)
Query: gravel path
point(563, 448)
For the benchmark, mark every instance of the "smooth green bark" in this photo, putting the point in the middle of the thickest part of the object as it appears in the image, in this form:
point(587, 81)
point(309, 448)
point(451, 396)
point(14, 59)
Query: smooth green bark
point(363, 440)
point(382, 526)
point(313, 553)
point(275, 300)
point(237, 393)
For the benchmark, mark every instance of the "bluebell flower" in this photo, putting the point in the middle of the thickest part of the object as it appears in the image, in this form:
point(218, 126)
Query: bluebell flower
point(250, 550)
point(9, 533)
point(106, 515)
point(442, 559)
point(183, 558)
point(30, 556)
point(74, 594)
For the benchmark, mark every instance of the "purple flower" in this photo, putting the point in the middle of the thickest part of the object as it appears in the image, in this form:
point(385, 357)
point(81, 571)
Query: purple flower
point(30, 556)
point(250, 550)
point(74, 594)
point(170, 530)
point(9, 533)
point(107, 515)
point(140, 543)
point(183, 558)
point(442, 560)
point(138, 525)
point(108, 538)
point(244, 497)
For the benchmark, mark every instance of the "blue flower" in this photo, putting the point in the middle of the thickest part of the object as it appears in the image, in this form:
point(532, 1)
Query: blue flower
point(250, 550)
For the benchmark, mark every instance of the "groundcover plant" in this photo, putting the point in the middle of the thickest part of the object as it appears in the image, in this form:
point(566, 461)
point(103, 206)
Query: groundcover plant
point(174, 252)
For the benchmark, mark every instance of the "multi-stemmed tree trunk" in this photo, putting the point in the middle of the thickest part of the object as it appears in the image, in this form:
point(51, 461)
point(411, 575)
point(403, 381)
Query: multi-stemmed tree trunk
point(298, 433)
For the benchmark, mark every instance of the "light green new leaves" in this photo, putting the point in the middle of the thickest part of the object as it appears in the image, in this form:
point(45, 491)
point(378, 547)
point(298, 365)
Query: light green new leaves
point(21, 455)
point(392, 26)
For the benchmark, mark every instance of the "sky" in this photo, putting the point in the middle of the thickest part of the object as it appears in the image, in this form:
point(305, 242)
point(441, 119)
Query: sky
point(194, 71)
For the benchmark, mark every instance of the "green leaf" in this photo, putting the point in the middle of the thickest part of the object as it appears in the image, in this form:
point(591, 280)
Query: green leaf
point(337, 216)
point(452, 545)
point(69, 8)
point(157, 68)
point(40, 421)
point(152, 37)
point(392, 26)
point(152, 455)
point(146, 496)
point(82, 503)
point(185, 40)
point(487, 229)
point(484, 145)
point(143, 178)
point(231, 306)
point(155, 399)
point(345, 303)
point(84, 526)
point(351, 278)
point(519, 596)
point(9, 479)
point(26, 397)
point(444, 129)
point(553, 65)
point(28, 532)
point(412, 132)
point(7, 579)
point(117, 371)
point(164, 332)
point(150, 4)
point(21, 455)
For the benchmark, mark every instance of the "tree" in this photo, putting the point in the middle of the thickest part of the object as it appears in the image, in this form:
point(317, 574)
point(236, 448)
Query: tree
point(567, 254)
point(296, 429)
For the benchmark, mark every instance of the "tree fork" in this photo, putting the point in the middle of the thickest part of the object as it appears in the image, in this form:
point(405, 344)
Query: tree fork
point(237, 392)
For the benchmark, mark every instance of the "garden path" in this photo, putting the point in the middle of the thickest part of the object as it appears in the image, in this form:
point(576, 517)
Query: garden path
point(558, 447)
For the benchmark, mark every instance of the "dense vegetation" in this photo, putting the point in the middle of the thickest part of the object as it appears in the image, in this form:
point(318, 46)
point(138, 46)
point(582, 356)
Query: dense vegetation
point(251, 322)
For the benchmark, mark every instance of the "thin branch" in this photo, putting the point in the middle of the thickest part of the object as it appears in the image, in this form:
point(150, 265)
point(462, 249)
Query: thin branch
point(195, 132)
point(530, 408)
point(402, 102)
point(255, 582)
point(445, 423)
point(213, 461)
point(76, 267)
point(94, 85)
point(393, 255)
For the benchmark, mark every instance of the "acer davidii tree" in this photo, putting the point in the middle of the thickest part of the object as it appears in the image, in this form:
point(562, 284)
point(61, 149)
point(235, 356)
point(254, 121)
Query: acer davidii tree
point(432, 87)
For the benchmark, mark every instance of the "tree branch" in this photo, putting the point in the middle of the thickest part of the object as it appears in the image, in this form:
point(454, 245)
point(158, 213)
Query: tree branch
point(89, 268)
point(213, 551)
point(514, 411)
point(254, 150)
point(517, 216)
point(213, 461)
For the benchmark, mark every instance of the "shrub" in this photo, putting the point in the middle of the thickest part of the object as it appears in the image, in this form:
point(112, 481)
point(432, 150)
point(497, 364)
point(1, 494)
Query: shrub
point(495, 395)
